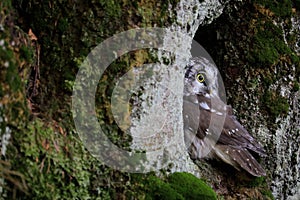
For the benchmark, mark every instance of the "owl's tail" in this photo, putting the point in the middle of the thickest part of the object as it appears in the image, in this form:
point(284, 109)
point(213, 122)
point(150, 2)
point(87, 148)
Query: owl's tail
point(239, 158)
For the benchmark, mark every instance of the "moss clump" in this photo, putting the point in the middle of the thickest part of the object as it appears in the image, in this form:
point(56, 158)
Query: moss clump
point(177, 186)
point(275, 104)
point(158, 189)
point(190, 187)
point(261, 182)
point(258, 181)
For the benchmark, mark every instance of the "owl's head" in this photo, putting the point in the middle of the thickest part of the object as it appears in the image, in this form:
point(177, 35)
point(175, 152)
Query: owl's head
point(200, 77)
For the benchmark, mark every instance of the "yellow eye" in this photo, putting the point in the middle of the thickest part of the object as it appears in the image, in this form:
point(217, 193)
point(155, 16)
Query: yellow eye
point(200, 78)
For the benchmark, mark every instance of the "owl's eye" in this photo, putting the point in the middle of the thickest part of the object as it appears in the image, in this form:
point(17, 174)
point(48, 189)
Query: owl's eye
point(200, 77)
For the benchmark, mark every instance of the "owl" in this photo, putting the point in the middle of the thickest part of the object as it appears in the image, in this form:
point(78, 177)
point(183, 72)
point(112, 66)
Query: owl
point(210, 128)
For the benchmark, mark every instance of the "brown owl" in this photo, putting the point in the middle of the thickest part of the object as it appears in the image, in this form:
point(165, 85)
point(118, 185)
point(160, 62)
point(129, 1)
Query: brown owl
point(211, 129)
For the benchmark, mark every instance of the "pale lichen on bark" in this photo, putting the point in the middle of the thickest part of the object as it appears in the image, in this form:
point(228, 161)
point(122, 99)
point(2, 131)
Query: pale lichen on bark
point(189, 15)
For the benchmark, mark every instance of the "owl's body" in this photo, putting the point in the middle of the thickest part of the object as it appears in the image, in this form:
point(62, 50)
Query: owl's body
point(211, 129)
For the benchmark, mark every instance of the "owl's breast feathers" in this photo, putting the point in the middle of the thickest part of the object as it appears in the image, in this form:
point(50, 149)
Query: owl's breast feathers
point(234, 142)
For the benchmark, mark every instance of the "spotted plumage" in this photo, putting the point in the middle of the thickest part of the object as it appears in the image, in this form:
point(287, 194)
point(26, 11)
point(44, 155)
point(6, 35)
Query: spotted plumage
point(211, 129)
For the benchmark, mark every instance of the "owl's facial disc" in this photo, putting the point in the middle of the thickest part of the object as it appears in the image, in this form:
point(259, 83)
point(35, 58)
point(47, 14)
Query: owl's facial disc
point(197, 82)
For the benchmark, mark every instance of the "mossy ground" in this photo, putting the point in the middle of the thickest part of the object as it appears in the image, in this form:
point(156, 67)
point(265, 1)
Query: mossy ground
point(178, 186)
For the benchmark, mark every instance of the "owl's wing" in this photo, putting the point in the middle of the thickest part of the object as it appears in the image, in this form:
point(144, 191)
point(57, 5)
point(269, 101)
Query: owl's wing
point(239, 157)
point(233, 143)
point(235, 134)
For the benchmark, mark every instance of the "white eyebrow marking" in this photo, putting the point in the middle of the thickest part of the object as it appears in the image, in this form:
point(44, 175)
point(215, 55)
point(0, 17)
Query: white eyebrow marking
point(204, 105)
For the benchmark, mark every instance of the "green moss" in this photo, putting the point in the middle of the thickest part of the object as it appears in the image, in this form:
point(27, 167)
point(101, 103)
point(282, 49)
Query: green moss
point(26, 53)
point(5, 4)
point(63, 25)
point(13, 104)
point(190, 187)
point(275, 104)
point(257, 181)
point(9, 61)
point(157, 189)
point(268, 194)
point(55, 166)
point(282, 8)
point(177, 186)
point(6, 54)
point(268, 45)
point(296, 86)
point(260, 182)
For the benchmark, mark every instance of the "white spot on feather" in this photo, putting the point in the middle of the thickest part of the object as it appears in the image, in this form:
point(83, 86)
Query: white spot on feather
point(204, 105)
point(219, 113)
